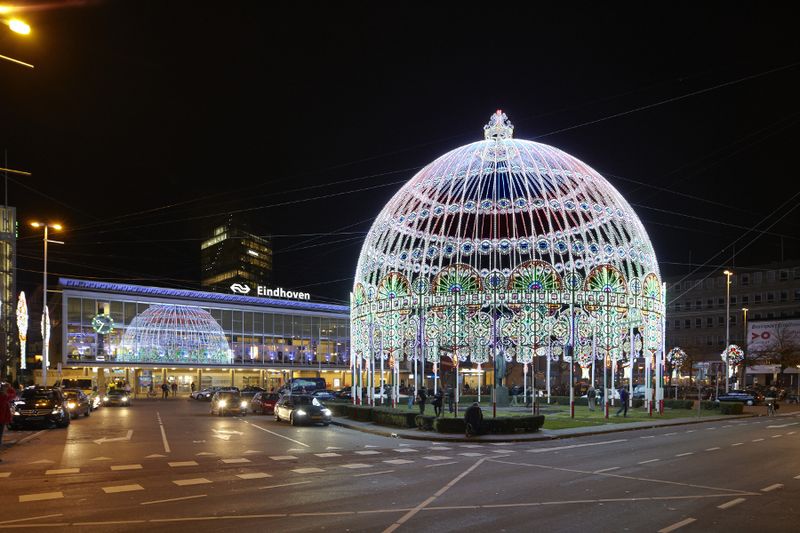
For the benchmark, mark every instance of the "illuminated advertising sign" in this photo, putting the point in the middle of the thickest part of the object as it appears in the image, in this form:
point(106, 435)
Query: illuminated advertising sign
point(270, 292)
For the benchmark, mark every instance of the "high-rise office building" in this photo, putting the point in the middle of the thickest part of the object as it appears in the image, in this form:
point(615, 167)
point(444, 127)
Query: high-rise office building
point(233, 254)
point(8, 289)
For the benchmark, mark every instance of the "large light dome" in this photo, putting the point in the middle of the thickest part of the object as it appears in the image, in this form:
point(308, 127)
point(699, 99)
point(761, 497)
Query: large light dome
point(511, 247)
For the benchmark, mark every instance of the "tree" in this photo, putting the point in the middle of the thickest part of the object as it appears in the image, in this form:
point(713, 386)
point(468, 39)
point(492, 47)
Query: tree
point(783, 348)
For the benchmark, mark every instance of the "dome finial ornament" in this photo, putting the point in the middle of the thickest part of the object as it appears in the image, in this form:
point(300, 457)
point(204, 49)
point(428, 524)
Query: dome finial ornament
point(499, 127)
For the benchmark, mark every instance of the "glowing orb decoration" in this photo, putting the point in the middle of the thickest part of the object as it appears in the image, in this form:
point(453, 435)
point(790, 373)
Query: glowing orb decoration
point(733, 355)
point(174, 333)
point(504, 248)
point(22, 326)
point(676, 357)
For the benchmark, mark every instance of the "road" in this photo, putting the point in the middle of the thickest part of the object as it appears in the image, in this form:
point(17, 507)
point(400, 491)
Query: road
point(169, 465)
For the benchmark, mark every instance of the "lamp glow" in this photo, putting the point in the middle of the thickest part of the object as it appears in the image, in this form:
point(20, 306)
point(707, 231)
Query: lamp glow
point(18, 26)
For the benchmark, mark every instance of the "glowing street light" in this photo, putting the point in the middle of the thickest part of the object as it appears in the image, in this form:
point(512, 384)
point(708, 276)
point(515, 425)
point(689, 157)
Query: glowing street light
point(17, 26)
point(45, 313)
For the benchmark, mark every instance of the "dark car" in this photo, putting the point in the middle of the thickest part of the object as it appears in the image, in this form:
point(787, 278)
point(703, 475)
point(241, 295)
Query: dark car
point(302, 409)
point(117, 397)
point(209, 392)
point(324, 395)
point(746, 397)
point(248, 393)
point(228, 402)
point(42, 406)
point(77, 402)
point(344, 394)
point(263, 403)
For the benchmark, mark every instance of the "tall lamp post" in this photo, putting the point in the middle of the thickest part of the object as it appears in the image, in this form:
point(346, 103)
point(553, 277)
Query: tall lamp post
point(17, 26)
point(46, 338)
point(744, 349)
point(728, 275)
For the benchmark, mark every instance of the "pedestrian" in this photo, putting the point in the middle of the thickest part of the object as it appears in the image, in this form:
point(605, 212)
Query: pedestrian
point(591, 394)
point(192, 386)
point(423, 396)
point(437, 403)
point(623, 400)
point(7, 397)
point(164, 391)
point(174, 389)
point(410, 400)
point(451, 398)
point(473, 420)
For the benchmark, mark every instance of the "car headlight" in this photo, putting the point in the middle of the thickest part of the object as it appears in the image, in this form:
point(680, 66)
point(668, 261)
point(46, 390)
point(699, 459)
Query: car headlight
point(124, 398)
point(326, 412)
point(56, 410)
point(105, 398)
point(71, 405)
point(244, 405)
point(17, 413)
point(300, 412)
point(222, 403)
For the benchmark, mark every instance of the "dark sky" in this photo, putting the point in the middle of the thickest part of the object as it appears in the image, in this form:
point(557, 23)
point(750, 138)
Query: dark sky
point(143, 120)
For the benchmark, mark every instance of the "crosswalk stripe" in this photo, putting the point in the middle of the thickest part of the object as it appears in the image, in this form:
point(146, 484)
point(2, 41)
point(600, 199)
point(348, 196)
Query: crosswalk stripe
point(436, 457)
point(253, 475)
point(356, 465)
point(471, 454)
point(126, 467)
point(62, 471)
point(194, 481)
point(40, 496)
point(308, 470)
point(368, 452)
point(182, 463)
point(122, 488)
point(405, 450)
point(5, 474)
point(282, 457)
point(329, 454)
point(236, 460)
point(398, 462)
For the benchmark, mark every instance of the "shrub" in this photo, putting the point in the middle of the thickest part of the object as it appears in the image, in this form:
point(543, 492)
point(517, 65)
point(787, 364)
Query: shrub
point(731, 408)
point(393, 418)
point(678, 404)
point(708, 404)
point(359, 412)
point(515, 424)
point(449, 425)
point(424, 422)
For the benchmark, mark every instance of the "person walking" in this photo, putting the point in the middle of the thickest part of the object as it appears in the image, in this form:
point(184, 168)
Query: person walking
point(174, 389)
point(623, 400)
point(193, 387)
point(437, 403)
point(164, 391)
point(7, 397)
point(591, 394)
point(451, 398)
point(423, 396)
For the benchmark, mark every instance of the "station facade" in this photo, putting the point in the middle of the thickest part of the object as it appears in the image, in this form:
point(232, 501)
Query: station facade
point(269, 340)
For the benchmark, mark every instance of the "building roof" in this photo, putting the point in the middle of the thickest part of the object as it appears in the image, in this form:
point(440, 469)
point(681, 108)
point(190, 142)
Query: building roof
point(141, 290)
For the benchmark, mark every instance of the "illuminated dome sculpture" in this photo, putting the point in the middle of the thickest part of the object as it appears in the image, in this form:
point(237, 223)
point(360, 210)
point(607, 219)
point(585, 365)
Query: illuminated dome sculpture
point(506, 247)
point(166, 333)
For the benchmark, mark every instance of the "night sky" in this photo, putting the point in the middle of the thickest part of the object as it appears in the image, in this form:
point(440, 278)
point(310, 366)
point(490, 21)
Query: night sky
point(144, 122)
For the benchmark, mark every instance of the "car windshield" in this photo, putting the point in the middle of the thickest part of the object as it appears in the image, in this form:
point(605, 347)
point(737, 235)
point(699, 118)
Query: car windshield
point(228, 395)
point(305, 400)
point(39, 394)
point(116, 392)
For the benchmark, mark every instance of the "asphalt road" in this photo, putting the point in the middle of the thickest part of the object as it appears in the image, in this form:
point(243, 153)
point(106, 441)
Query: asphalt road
point(169, 465)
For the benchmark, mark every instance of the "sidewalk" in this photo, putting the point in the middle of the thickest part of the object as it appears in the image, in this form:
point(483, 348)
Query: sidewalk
point(541, 435)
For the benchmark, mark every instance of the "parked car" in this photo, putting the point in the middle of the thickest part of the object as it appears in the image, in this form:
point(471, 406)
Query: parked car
point(77, 402)
point(302, 409)
point(228, 402)
point(324, 395)
point(42, 406)
point(746, 397)
point(116, 397)
point(263, 403)
point(344, 394)
point(248, 393)
point(206, 394)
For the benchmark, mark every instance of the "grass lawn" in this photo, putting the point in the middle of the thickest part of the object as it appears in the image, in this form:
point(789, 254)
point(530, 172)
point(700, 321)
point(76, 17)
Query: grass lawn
point(557, 416)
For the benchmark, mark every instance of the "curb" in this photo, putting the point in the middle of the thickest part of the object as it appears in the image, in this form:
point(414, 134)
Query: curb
point(444, 437)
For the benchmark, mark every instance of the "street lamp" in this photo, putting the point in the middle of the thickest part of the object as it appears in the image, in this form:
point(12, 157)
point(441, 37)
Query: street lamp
point(46, 338)
point(744, 349)
point(728, 275)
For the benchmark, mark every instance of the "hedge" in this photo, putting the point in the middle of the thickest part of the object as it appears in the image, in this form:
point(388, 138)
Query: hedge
point(449, 425)
point(359, 412)
point(424, 422)
point(388, 417)
point(708, 404)
point(678, 404)
point(731, 408)
point(514, 424)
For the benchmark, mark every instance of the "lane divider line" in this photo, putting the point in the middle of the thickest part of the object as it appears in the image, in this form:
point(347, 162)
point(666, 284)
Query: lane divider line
point(772, 487)
point(677, 525)
point(278, 435)
point(163, 433)
point(175, 499)
point(728, 505)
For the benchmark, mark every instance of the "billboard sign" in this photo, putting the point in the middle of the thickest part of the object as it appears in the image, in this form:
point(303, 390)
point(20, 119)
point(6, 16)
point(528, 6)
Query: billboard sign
point(764, 336)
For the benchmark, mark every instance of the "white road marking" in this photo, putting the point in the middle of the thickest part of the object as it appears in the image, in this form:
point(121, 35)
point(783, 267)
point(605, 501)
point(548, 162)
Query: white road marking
point(502, 444)
point(282, 457)
point(472, 454)
point(126, 467)
point(100, 459)
point(41, 461)
point(711, 429)
point(236, 460)
point(737, 443)
point(684, 454)
point(251, 451)
point(772, 487)
point(163, 433)
point(442, 464)
point(373, 473)
point(439, 448)
point(356, 465)
point(175, 499)
point(541, 450)
point(791, 433)
point(783, 425)
point(370, 446)
point(329, 454)
point(436, 457)
point(367, 452)
point(122, 488)
point(472, 445)
point(205, 453)
point(29, 437)
point(30, 518)
point(757, 440)
point(728, 426)
point(648, 461)
point(797, 477)
point(285, 437)
point(776, 436)
point(690, 430)
point(176, 464)
point(335, 448)
point(308, 470)
point(62, 471)
point(715, 448)
point(670, 434)
point(404, 462)
point(154, 456)
point(648, 437)
point(677, 525)
point(103, 440)
point(283, 485)
point(728, 505)
point(5, 474)
point(193, 481)
point(40, 496)
point(253, 475)
point(290, 450)
point(606, 470)
point(405, 450)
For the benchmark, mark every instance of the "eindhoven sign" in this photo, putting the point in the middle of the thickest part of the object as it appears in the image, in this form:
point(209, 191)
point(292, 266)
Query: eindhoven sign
point(277, 292)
